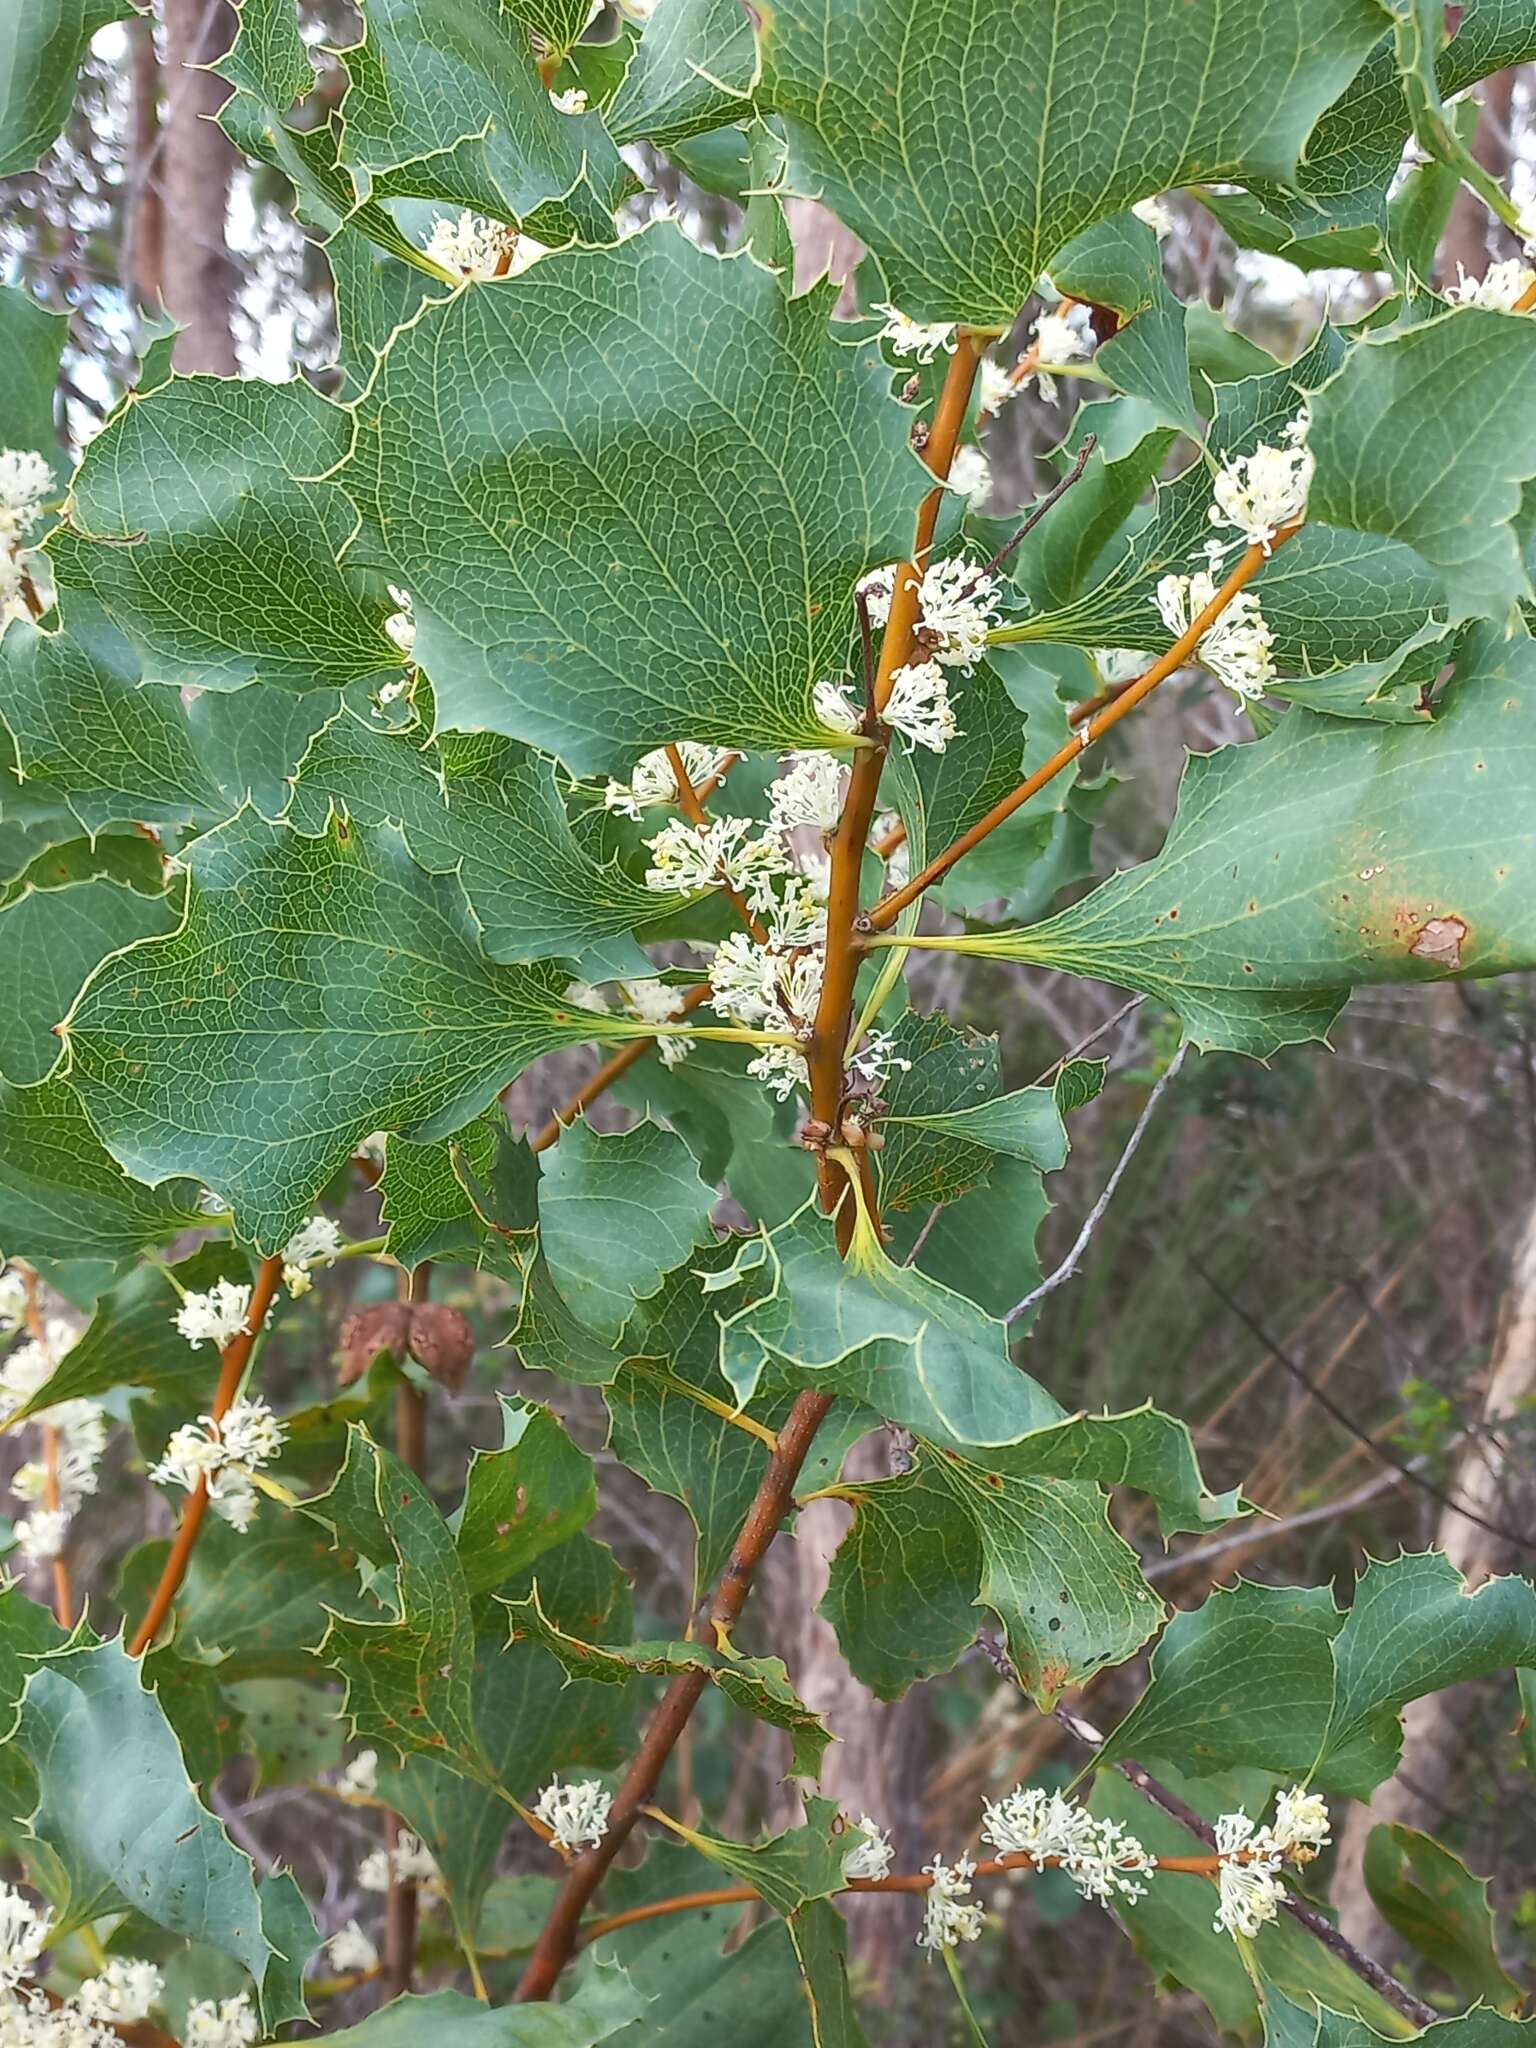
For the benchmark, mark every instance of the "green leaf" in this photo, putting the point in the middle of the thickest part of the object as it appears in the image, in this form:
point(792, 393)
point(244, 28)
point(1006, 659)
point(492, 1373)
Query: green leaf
point(268, 56)
point(693, 73)
point(498, 821)
point(1441, 1910)
point(422, 1202)
point(251, 741)
point(31, 342)
point(1118, 264)
point(616, 1215)
point(88, 731)
point(1054, 562)
point(821, 1949)
point(789, 1869)
point(445, 103)
point(752, 1994)
point(450, 2020)
point(1443, 472)
point(735, 1128)
point(523, 1499)
point(224, 573)
point(260, 1077)
point(62, 1197)
point(526, 620)
point(138, 1838)
point(51, 940)
point(758, 1685)
point(44, 43)
point(1260, 913)
point(872, 95)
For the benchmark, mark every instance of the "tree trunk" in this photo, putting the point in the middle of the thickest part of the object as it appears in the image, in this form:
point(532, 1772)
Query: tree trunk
point(1500, 1489)
point(197, 161)
point(1466, 242)
point(144, 241)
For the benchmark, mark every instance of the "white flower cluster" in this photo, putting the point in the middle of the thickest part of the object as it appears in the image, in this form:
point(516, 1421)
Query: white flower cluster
point(913, 338)
point(648, 1002)
point(1099, 1856)
point(349, 1949)
point(1249, 1888)
point(576, 1815)
point(412, 1862)
point(1498, 292)
point(653, 781)
point(1057, 340)
point(950, 1914)
point(480, 248)
point(1154, 213)
point(1259, 493)
point(25, 482)
point(360, 1776)
point(872, 1858)
point(728, 853)
point(79, 1429)
point(959, 606)
point(222, 2023)
point(121, 1993)
point(1237, 647)
point(226, 1455)
point(215, 1317)
point(315, 1243)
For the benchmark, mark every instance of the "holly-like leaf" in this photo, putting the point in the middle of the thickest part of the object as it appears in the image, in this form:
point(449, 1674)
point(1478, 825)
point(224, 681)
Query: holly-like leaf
point(44, 43)
point(88, 731)
point(789, 1869)
point(1441, 1910)
point(693, 73)
point(422, 1202)
point(616, 1214)
point(1411, 858)
point(51, 940)
point(446, 103)
point(535, 1491)
point(1118, 264)
point(251, 741)
point(596, 2012)
point(63, 1197)
point(139, 1838)
point(1442, 474)
point(585, 584)
point(268, 56)
point(197, 522)
point(872, 94)
point(752, 1993)
point(261, 1043)
point(498, 821)
point(758, 1685)
point(31, 342)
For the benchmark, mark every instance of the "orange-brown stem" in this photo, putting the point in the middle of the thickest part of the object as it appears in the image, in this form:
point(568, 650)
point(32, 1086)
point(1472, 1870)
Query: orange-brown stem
point(890, 908)
point(232, 1364)
point(1527, 299)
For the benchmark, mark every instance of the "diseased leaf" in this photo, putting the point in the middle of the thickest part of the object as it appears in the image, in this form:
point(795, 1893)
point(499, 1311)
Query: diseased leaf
point(1411, 858)
point(758, 1685)
point(261, 1043)
point(1056, 136)
point(521, 1500)
point(198, 524)
point(559, 596)
point(1441, 1910)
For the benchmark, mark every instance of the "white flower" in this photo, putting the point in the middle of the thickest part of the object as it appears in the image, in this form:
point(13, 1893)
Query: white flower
point(231, 2023)
point(581, 995)
point(809, 792)
point(473, 246)
point(1249, 1891)
point(41, 1535)
point(1056, 340)
point(743, 980)
point(723, 855)
point(13, 1300)
point(1120, 665)
point(638, 10)
point(401, 625)
point(653, 781)
point(373, 1871)
point(122, 1992)
point(959, 607)
point(995, 387)
point(251, 1434)
point(798, 917)
point(350, 1949)
point(232, 1496)
point(1154, 213)
point(1238, 648)
point(1033, 1823)
point(876, 589)
point(1109, 1863)
point(414, 1861)
point(361, 1775)
point(971, 475)
point(950, 1914)
point(912, 338)
point(216, 1317)
point(23, 1935)
point(572, 101)
point(833, 708)
point(193, 1453)
point(25, 481)
point(919, 708)
point(875, 1058)
point(781, 1069)
point(873, 1856)
point(898, 862)
point(1261, 492)
point(576, 1815)
point(1302, 1825)
point(390, 693)
point(1498, 291)
point(29, 1368)
point(652, 1002)
point(315, 1243)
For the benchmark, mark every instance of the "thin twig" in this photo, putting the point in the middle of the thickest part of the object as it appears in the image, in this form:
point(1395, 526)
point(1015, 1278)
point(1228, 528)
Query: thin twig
point(1095, 1215)
point(232, 1364)
point(1253, 1534)
point(1038, 510)
point(1364, 1967)
point(1099, 1031)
